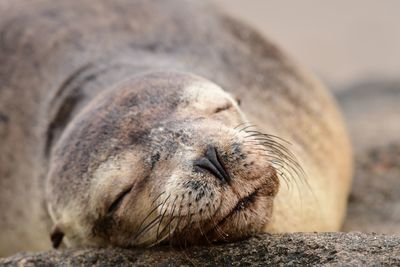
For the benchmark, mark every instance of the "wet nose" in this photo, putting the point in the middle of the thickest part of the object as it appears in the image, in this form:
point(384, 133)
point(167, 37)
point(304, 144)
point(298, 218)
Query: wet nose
point(212, 163)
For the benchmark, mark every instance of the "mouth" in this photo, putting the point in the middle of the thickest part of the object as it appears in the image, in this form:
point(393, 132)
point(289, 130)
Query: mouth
point(222, 230)
point(245, 202)
point(242, 205)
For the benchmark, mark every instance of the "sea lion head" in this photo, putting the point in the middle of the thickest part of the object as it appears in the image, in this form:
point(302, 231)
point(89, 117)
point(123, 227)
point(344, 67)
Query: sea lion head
point(162, 157)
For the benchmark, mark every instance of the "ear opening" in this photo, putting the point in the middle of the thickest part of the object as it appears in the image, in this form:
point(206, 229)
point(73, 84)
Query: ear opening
point(238, 100)
point(56, 236)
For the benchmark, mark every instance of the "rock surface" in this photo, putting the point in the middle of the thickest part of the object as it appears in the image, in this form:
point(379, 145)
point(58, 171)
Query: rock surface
point(372, 112)
point(374, 203)
point(334, 249)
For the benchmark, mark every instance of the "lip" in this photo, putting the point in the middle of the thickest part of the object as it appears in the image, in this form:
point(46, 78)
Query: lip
point(245, 202)
point(213, 232)
point(242, 205)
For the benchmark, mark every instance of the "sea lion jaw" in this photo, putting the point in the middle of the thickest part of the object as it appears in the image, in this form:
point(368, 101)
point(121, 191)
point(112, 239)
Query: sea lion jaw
point(143, 184)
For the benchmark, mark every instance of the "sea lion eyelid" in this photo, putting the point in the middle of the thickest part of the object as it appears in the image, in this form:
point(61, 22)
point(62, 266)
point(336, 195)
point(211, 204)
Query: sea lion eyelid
point(118, 200)
point(223, 108)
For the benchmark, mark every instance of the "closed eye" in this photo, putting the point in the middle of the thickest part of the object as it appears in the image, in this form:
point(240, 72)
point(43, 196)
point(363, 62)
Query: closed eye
point(225, 107)
point(117, 202)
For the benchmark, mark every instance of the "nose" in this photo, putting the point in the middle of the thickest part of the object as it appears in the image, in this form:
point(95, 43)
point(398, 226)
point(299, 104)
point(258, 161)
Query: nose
point(212, 163)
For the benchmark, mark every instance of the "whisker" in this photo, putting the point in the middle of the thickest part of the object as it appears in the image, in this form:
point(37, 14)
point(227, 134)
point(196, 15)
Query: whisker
point(247, 127)
point(163, 214)
point(202, 233)
point(171, 218)
point(218, 229)
point(148, 215)
point(280, 157)
point(242, 124)
point(270, 135)
point(147, 227)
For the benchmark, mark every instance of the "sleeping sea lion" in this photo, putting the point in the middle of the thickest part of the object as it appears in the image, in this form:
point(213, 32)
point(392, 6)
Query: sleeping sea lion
point(137, 123)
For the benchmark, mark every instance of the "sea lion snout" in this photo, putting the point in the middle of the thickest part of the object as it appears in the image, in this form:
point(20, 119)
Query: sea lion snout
point(213, 164)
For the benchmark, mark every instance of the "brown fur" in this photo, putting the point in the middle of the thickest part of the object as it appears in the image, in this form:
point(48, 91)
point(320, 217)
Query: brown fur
point(57, 56)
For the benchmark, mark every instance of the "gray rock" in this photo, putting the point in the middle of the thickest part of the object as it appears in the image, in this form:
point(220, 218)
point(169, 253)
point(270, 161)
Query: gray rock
point(374, 203)
point(323, 249)
point(372, 111)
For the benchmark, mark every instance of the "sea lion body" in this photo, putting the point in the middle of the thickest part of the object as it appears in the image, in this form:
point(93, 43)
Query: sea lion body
point(58, 57)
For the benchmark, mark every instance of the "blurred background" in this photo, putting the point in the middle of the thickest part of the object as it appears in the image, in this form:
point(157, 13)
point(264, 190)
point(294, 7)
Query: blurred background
point(354, 47)
point(351, 45)
point(342, 40)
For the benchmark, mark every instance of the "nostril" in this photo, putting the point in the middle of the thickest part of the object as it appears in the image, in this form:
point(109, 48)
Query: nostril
point(213, 164)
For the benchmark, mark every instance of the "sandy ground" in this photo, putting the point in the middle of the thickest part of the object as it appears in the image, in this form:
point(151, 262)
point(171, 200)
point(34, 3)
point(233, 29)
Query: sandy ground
point(341, 40)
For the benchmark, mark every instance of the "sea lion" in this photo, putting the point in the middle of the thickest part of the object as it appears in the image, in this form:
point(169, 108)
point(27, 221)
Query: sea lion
point(120, 126)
